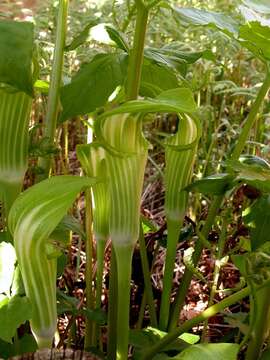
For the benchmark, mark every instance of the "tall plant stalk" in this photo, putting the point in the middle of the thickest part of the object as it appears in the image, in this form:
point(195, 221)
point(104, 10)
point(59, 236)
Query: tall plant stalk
point(55, 83)
point(218, 265)
point(136, 53)
point(124, 255)
point(89, 325)
point(182, 290)
point(112, 309)
point(147, 281)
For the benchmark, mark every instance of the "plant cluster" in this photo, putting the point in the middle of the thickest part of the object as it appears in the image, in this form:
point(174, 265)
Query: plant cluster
point(117, 95)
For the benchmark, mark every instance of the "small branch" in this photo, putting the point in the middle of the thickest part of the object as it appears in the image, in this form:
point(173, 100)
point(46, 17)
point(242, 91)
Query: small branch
point(55, 83)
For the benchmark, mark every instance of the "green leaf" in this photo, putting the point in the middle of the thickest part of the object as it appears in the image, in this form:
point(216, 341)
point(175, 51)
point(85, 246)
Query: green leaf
point(157, 78)
point(13, 312)
point(33, 217)
point(70, 223)
point(256, 37)
point(252, 171)
point(81, 37)
point(144, 338)
point(170, 56)
point(262, 6)
point(26, 344)
point(255, 161)
point(174, 100)
point(148, 225)
point(220, 351)
point(265, 355)
point(7, 266)
point(257, 217)
point(91, 87)
point(240, 262)
point(216, 184)
point(166, 59)
point(16, 49)
point(68, 304)
point(118, 37)
point(202, 17)
point(42, 86)
point(97, 315)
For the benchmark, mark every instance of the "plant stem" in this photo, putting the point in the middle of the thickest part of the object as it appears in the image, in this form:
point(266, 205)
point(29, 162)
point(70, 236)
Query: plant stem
point(173, 230)
point(136, 54)
point(181, 294)
point(260, 328)
point(112, 311)
point(251, 118)
point(206, 314)
point(183, 288)
point(147, 280)
point(217, 268)
point(55, 83)
point(141, 312)
point(88, 341)
point(101, 242)
point(123, 256)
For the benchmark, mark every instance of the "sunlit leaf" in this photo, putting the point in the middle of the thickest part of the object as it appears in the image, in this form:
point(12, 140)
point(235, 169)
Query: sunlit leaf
point(91, 87)
point(262, 6)
point(252, 171)
point(214, 184)
point(203, 17)
point(16, 49)
point(144, 338)
point(256, 37)
point(81, 37)
point(13, 312)
point(221, 351)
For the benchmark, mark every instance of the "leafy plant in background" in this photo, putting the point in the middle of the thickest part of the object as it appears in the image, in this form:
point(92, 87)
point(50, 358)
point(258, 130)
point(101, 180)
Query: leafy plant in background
point(115, 164)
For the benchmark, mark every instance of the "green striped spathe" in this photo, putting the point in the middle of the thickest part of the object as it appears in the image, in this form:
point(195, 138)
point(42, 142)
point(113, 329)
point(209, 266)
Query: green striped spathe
point(179, 158)
point(15, 111)
point(126, 165)
point(92, 158)
point(33, 217)
point(180, 152)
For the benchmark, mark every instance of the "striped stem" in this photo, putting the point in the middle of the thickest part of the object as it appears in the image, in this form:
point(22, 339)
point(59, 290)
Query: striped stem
point(179, 156)
point(126, 159)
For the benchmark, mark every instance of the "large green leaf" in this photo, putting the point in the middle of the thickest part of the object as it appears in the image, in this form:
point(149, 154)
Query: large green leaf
point(144, 338)
point(251, 170)
point(157, 77)
point(258, 218)
point(91, 87)
point(13, 312)
point(222, 351)
point(173, 100)
point(202, 17)
point(33, 217)
point(216, 184)
point(16, 49)
point(256, 37)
